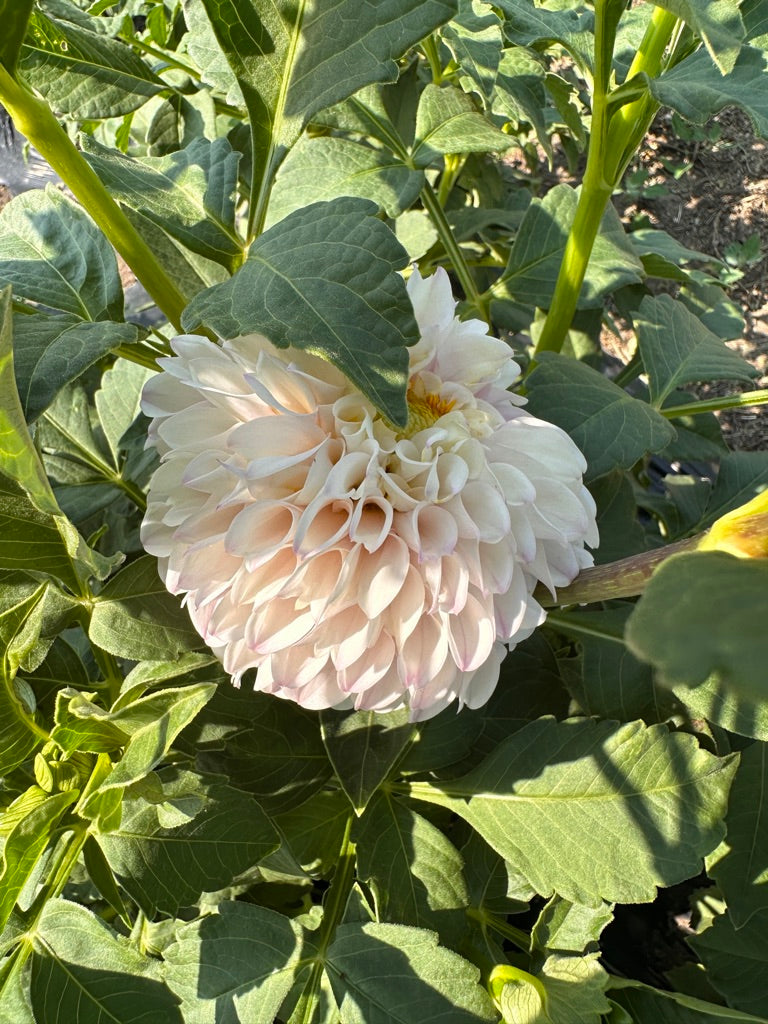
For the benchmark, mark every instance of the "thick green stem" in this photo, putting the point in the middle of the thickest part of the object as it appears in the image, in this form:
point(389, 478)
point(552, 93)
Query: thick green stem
point(746, 398)
point(612, 142)
point(631, 122)
point(626, 578)
point(35, 120)
point(453, 250)
point(333, 912)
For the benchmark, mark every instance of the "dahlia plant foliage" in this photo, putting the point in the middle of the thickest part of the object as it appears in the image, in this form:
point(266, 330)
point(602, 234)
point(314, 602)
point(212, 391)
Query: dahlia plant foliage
point(376, 645)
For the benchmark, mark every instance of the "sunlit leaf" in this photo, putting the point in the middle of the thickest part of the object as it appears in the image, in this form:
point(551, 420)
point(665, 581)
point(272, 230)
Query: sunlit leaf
point(592, 810)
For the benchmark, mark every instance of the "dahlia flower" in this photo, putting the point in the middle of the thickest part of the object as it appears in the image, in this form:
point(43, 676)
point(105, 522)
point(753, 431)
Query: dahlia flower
point(354, 564)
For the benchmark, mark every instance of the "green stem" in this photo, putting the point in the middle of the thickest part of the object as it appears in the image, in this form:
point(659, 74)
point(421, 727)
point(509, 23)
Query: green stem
point(595, 193)
point(453, 164)
point(624, 578)
point(432, 53)
point(613, 141)
point(746, 398)
point(498, 924)
point(171, 62)
point(630, 123)
point(453, 250)
point(35, 120)
point(333, 913)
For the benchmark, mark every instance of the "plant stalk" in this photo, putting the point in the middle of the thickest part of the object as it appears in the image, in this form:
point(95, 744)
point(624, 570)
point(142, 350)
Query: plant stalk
point(613, 141)
point(35, 120)
point(627, 577)
point(746, 398)
point(453, 250)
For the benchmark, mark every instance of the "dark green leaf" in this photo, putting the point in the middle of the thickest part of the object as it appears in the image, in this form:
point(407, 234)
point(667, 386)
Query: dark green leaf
point(189, 193)
point(236, 966)
point(740, 478)
point(51, 351)
point(537, 253)
point(315, 830)
point(621, 533)
point(81, 971)
point(343, 47)
point(363, 747)
point(736, 961)
point(742, 873)
point(14, 15)
point(85, 74)
point(447, 121)
point(703, 613)
point(273, 747)
point(619, 800)
point(650, 1004)
point(196, 840)
point(612, 429)
point(25, 845)
point(135, 617)
point(612, 683)
point(433, 985)
point(324, 280)
point(51, 252)
point(414, 871)
point(697, 90)
point(328, 167)
point(677, 349)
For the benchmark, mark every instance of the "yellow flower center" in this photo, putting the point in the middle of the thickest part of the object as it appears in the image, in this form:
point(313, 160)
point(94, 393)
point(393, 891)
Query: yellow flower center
point(424, 408)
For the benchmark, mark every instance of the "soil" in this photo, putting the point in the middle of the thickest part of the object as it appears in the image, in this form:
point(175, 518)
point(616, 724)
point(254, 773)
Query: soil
point(720, 198)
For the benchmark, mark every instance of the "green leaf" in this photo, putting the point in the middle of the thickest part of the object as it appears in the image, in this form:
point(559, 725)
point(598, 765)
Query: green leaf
point(324, 280)
point(188, 193)
point(719, 25)
point(703, 613)
point(153, 724)
point(51, 252)
point(650, 1004)
point(433, 983)
point(743, 713)
point(696, 89)
point(677, 349)
point(51, 351)
point(14, 15)
point(165, 854)
point(567, 990)
point(742, 873)
point(414, 871)
point(363, 748)
point(135, 617)
point(18, 458)
point(327, 167)
point(736, 961)
point(741, 477)
point(82, 74)
point(537, 253)
point(474, 38)
point(203, 47)
point(25, 845)
point(271, 748)
point(621, 533)
point(236, 965)
point(573, 28)
point(81, 971)
point(447, 121)
point(570, 927)
point(592, 810)
point(314, 831)
point(612, 429)
point(342, 48)
point(612, 683)
point(118, 401)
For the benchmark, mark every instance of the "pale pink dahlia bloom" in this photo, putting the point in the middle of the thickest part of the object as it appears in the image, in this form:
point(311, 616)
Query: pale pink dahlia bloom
point(354, 564)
